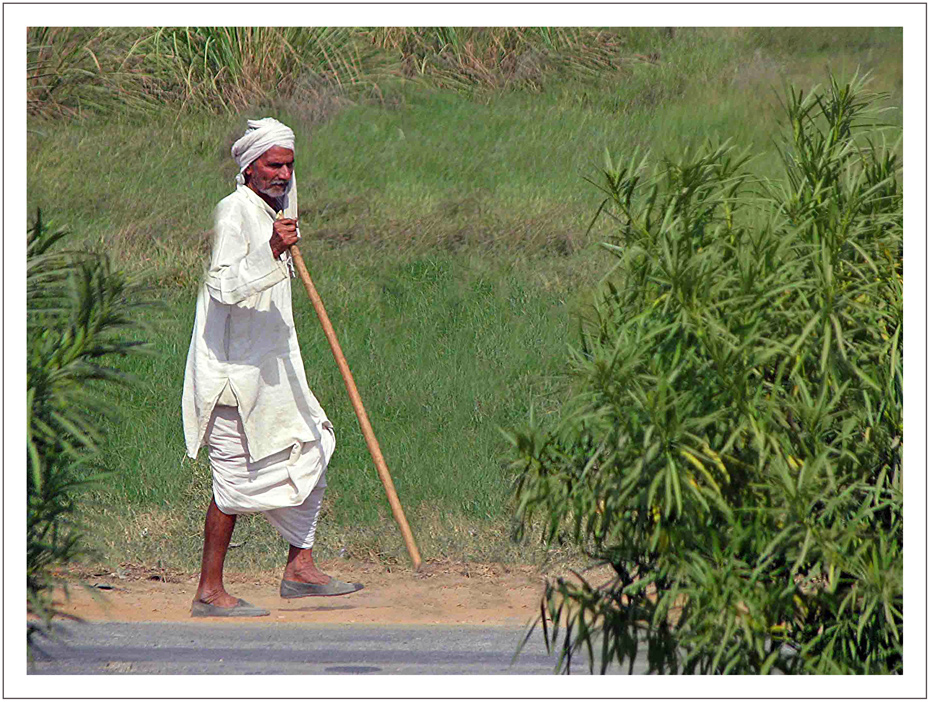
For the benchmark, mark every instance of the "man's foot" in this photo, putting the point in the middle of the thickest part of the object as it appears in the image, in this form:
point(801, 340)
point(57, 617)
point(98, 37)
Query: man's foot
point(303, 579)
point(219, 598)
point(309, 575)
point(300, 568)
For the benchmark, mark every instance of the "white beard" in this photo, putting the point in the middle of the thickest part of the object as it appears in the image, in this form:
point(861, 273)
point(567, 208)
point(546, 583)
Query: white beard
point(274, 190)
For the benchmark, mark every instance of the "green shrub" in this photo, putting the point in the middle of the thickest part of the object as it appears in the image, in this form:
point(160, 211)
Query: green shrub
point(132, 70)
point(234, 68)
point(473, 58)
point(734, 445)
point(310, 71)
point(72, 71)
point(76, 306)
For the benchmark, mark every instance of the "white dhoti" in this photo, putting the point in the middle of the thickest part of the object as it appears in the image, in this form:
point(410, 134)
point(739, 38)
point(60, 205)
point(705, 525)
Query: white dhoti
point(287, 486)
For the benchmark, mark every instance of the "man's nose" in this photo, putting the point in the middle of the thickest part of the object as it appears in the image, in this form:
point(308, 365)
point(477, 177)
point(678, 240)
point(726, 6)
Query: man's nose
point(286, 172)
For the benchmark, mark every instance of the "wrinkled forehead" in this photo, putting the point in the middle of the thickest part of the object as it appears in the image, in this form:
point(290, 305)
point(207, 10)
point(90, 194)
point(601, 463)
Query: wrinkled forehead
point(277, 154)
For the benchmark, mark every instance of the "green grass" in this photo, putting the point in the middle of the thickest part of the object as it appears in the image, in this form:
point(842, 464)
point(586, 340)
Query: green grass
point(445, 349)
point(447, 233)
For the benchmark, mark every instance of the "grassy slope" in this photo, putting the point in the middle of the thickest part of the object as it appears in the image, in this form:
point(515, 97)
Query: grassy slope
point(449, 246)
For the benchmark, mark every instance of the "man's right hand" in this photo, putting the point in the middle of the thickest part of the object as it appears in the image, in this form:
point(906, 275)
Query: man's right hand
point(283, 236)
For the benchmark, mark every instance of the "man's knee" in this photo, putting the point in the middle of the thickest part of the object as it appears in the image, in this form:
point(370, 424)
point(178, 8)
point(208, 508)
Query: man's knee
point(214, 511)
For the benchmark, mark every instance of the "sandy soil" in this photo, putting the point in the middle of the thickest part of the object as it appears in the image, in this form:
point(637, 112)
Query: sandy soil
point(440, 593)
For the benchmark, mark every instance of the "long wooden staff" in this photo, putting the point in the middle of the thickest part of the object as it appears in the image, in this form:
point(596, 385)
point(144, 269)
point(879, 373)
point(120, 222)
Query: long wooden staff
point(356, 399)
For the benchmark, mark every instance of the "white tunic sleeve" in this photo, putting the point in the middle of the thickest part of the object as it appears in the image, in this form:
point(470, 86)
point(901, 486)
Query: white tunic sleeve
point(238, 270)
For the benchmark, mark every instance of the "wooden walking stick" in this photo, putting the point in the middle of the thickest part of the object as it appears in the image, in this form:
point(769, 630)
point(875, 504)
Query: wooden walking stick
point(357, 405)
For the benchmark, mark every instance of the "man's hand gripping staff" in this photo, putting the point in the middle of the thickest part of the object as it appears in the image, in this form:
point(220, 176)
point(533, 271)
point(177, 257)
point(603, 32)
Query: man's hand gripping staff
point(286, 232)
point(284, 235)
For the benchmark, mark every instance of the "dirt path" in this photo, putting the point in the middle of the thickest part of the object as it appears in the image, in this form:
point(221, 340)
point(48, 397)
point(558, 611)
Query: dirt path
point(438, 594)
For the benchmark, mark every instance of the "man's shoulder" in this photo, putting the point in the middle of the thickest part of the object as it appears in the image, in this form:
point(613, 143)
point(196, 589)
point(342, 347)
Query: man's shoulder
point(234, 201)
point(235, 207)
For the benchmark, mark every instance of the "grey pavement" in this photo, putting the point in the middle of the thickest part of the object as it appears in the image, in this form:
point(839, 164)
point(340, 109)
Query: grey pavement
point(241, 648)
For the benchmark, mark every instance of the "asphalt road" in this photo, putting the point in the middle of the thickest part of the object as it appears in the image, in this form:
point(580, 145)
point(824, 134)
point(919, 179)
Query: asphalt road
point(203, 648)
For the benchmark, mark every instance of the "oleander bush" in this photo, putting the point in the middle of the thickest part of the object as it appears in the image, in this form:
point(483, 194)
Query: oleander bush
point(733, 445)
point(77, 312)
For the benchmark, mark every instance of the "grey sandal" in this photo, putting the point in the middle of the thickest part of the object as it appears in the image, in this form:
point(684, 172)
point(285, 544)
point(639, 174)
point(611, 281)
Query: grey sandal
point(240, 609)
point(291, 589)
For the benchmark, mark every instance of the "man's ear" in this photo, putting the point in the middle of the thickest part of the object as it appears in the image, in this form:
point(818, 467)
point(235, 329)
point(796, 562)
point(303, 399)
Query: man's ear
point(247, 173)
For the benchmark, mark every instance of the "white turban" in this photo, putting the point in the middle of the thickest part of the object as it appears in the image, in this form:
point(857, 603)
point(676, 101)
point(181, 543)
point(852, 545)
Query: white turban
point(261, 135)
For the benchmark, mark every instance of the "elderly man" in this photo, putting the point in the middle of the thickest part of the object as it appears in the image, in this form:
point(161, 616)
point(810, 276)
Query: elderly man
point(245, 392)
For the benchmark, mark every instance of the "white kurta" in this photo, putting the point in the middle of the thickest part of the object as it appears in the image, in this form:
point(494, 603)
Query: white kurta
point(244, 335)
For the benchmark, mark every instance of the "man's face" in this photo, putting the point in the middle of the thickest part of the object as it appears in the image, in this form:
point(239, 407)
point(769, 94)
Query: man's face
point(270, 172)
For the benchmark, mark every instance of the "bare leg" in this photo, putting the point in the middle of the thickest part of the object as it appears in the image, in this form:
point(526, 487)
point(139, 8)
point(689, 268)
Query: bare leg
point(217, 532)
point(301, 568)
